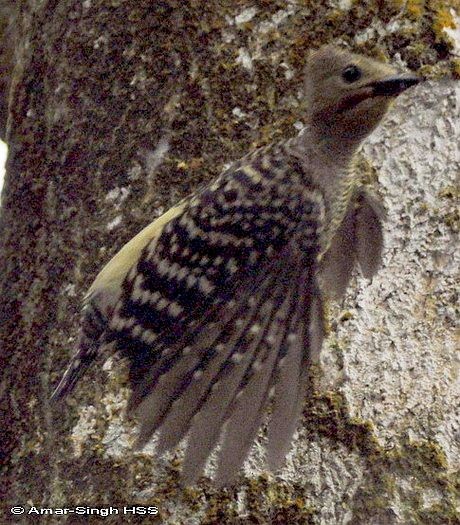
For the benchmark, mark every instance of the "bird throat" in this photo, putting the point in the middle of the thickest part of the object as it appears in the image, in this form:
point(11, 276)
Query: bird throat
point(332, 166)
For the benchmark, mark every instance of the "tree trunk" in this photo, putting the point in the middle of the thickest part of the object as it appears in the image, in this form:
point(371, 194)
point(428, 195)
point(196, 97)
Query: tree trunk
point(116, 110)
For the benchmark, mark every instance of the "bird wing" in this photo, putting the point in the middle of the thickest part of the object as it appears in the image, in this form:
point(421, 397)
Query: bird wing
point(214, 308)
point(115, 271)
point(359, 239)
point(337, 265)
point(369, 233)
point(100, 299)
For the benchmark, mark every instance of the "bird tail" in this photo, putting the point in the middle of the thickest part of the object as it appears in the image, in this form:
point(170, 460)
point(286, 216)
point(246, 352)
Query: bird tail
point(76, 369)
point(90, 341)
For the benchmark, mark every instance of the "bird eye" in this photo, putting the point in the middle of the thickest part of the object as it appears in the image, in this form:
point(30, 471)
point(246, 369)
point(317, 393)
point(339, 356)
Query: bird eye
point(351, 73)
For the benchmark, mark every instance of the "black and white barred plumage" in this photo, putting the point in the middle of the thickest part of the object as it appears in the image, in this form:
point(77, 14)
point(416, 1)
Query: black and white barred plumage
point(217, 305)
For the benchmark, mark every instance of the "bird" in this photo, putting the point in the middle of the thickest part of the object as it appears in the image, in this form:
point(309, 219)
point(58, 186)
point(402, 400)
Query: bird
point(218, 305)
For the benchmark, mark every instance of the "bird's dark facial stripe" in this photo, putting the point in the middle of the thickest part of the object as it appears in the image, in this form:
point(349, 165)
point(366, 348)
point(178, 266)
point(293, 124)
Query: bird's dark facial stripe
point(390, 87)
point(352, 100)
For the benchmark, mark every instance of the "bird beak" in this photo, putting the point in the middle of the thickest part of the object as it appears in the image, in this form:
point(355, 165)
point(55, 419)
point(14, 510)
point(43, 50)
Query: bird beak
point(391, 86)
point(394, 85)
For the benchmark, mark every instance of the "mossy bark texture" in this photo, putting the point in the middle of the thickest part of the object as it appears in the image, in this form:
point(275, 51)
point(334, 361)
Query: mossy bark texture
point(116, 110)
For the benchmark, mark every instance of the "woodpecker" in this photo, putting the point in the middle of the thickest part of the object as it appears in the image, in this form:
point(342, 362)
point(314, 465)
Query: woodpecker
point(218, 304)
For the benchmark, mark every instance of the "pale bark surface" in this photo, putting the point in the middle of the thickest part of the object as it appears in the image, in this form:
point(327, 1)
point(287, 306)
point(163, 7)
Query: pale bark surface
point(119, 108)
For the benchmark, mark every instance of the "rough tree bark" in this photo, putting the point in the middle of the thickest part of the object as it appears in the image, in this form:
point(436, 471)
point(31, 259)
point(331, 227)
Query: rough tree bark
point(119, 108)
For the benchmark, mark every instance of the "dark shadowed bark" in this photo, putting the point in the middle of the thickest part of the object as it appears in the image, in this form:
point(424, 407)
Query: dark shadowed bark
point(8, 39)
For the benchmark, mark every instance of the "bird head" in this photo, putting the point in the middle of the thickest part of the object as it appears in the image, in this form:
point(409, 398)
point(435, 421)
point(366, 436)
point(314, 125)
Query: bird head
point(348, 94)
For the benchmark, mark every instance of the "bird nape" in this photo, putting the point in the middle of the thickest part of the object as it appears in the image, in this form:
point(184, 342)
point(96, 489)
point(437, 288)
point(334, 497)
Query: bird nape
point(217, 305)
